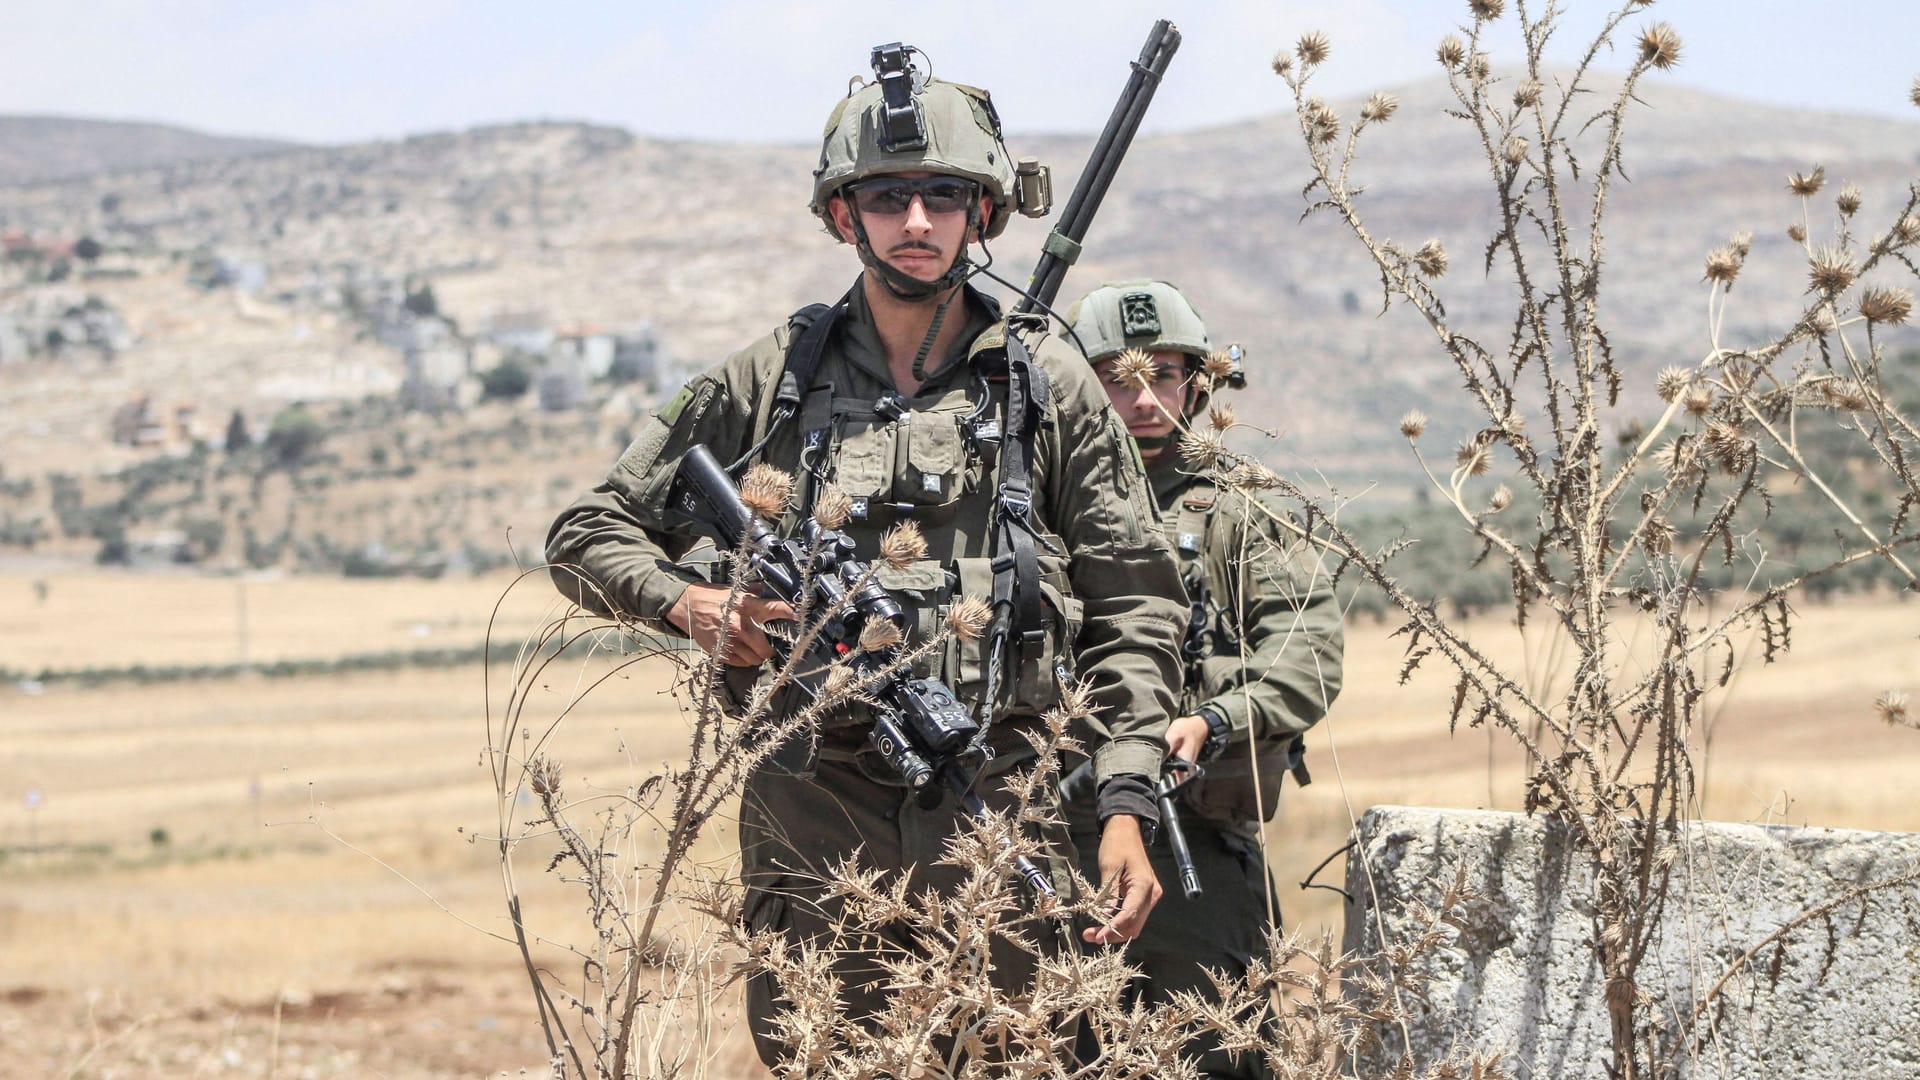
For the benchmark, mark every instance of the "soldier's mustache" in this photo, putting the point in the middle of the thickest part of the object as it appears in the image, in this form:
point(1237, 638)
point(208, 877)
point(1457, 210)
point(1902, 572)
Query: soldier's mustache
point(913, 245)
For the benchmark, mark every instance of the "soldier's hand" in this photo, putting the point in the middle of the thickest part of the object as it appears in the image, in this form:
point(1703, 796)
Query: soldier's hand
point(700, 611)
point(1123, 862)
point(1186, 736)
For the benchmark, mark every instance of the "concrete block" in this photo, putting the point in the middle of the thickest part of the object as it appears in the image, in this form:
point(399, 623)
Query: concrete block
point(1838, 997)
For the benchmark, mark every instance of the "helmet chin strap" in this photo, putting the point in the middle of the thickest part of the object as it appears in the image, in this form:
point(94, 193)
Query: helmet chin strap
point(905, 286)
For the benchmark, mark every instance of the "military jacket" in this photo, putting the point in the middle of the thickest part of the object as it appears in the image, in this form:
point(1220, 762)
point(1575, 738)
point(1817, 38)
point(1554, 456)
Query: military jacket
point(1272, 639)
point(1111, 584)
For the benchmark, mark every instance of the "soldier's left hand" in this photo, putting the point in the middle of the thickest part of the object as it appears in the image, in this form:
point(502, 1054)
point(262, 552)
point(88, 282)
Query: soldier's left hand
point(1185, 737)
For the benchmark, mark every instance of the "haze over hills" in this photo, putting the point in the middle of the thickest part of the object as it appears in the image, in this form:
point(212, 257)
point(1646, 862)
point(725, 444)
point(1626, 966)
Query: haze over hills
point(711, 244)
point(35, 148)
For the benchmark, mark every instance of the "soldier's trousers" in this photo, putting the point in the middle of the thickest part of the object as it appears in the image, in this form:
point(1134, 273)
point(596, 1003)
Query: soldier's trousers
point(794, 830)
point(1223, 928)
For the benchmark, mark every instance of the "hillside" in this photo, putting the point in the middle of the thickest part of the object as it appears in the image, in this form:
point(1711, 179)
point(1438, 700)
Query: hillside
point(37, 148)
point(248, 283)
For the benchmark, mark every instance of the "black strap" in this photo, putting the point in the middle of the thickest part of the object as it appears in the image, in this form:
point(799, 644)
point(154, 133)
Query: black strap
point(1020, 618)
point(811, 327)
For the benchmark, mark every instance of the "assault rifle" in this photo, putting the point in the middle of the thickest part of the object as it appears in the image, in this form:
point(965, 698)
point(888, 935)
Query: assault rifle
point(920, 726)
point(1078, 785)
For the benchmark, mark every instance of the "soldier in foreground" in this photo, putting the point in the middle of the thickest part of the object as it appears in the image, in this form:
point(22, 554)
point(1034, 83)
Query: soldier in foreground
point(916, 400)
point(1263, 649)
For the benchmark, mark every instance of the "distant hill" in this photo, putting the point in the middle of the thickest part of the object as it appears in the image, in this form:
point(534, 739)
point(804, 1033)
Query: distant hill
point(576, 226)
point(34, 148)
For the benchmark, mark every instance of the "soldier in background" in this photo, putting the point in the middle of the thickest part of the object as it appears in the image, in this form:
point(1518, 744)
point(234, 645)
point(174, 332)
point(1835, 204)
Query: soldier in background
point(904, 405)
point(1263, 648)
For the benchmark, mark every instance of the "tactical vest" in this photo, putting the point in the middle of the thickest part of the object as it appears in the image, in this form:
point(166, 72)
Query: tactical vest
point(960, 468)
point(1228, 791)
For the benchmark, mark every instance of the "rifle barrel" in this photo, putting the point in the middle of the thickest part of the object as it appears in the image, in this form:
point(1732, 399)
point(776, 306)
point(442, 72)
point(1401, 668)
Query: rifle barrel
point(1102, 164)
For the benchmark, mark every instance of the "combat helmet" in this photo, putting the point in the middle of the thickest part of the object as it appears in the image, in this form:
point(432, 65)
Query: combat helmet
point(1148, 315)
point(1152, 316)
point(905, 121)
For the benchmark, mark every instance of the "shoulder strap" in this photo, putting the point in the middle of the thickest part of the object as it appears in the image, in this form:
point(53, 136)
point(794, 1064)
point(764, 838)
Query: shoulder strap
point(810, 327)
point(1019, 617)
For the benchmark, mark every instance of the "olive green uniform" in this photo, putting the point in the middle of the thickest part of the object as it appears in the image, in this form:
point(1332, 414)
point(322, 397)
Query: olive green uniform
point(1112, 590)
point(1273, 671)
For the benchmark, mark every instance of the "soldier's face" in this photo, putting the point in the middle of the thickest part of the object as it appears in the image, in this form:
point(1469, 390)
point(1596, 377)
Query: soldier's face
point(1149, 411)
point(916, 242)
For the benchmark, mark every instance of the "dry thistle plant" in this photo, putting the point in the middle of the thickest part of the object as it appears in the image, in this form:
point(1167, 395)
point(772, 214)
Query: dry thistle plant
point(1639, 536)
point(641, 998)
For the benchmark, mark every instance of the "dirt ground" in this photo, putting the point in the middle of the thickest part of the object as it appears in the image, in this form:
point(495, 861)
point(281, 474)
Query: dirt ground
point(292, 877)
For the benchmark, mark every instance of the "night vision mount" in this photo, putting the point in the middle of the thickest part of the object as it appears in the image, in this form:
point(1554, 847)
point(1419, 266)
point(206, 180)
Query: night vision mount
point(902, 128)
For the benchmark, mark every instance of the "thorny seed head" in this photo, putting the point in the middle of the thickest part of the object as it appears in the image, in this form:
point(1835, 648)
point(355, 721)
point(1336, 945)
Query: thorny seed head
point(1848, 200)
point(1379, 107)
point(1313, 48)
point(765, 490)
point(1699, 400)
point(1741, 243)
point(1488, 10)
point(544, 777)
point(878, 634)
point(1502, 498)
point(1667, 456)
point(1413, 424)
point(903, 545)
point(1478, 67)
point(1252, 476)
point(1219, 365)
point(1906, 230)
point(1848, 395)
point(1527, 94)
point(1282, 63)
point(1660, 46)
point(1892, 707)
point(1135, 369)
point(1886, 305)
point(1452, 52)
point(1473, 457)
point(838, 684)
point(1914, 95)
point(1797, 233)
point(1220, 416)
point(1323, 124)
point(832, 507)
point(1431, 259)
point(1808, 184)
point(1725, 444)
point(1201, 449)
point(1723, 265)
point(968, 618)
point(1672, 382)
point(1515, 151)
point(1831, 270)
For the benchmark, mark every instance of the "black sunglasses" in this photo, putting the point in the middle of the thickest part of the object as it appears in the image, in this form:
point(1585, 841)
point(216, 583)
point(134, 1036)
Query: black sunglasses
point(894, 195)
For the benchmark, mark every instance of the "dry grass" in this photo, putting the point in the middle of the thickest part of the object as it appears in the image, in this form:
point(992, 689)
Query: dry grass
point(187, 947)
point(109, 619)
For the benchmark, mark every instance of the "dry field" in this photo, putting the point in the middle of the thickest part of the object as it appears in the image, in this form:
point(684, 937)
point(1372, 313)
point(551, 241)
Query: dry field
point(290, 878)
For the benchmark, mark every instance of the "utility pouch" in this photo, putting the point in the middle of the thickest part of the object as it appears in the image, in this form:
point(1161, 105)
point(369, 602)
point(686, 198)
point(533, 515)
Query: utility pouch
point(921, 589)
point(1032, 689)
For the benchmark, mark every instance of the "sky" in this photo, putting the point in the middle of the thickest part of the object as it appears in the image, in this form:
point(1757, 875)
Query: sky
point(335, 71)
